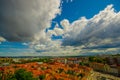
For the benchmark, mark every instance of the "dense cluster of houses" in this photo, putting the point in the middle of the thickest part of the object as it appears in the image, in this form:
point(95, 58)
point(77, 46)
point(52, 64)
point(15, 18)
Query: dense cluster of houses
point(111, 67)
point(71, 60)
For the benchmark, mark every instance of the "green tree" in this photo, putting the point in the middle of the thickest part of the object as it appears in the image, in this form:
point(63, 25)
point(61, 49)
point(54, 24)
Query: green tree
point(10, 77)
point(91, 59)
point(81, 63)
point(22, 74)
point(71, 72)
point(42, 77)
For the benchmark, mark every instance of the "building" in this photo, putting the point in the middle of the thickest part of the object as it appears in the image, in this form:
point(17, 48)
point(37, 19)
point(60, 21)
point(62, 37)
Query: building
point(117, 60)
point(105, 68)
point(110, 60)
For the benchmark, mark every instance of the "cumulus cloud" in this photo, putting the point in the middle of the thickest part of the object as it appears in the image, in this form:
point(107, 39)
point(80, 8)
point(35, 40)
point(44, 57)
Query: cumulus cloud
point(56, 31)
point(26, 20)
point(102, 29)
point(2, 39)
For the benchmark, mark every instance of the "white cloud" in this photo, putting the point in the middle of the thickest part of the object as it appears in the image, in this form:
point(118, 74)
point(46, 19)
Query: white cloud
point(100, 28)
point(66, 25)
point(56, 31)
point(25, 44)
point(2, 39)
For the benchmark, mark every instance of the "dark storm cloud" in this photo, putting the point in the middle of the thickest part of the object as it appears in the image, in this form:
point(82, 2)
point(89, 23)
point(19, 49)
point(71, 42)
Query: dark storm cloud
point(20, 20)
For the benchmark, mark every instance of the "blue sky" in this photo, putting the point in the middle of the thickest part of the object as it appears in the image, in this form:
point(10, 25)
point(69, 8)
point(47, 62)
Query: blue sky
point(79, 8)
point(72, 10)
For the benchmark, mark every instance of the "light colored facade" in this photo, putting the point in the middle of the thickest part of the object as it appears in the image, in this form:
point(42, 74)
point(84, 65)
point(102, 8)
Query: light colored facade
point(105, 68)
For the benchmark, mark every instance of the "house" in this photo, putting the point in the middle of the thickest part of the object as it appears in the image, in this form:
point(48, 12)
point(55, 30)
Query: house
point(104, 68)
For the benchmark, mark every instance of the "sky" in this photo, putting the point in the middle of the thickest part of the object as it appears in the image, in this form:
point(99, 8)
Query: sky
point(59, 27)
point(79, 8)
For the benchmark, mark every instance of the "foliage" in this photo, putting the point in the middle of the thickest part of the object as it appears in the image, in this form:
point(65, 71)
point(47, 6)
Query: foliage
point(81, 63)
point(60, 70)
point(91, 59)
point(42, 77)
point(10, 77)
point(7, 76)
point(22, 74)
point(97, 59)
point(43, 68)
point(81, 75)
point(71, 72)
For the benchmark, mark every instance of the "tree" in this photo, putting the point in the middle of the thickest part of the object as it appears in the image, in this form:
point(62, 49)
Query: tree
point(42, 77)
point(22, 74)
point(91, 59)
point(71, 72)
point(81, 63)
point(7, 76)
point(10, 77)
